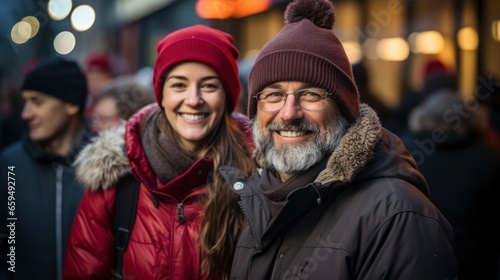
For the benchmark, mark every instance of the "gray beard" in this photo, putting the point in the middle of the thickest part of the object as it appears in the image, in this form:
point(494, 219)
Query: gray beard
point(292, 158)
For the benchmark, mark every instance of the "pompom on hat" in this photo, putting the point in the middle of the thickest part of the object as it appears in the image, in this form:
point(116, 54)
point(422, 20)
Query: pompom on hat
point(306, 50)
point(59, 77)
point(203, 44)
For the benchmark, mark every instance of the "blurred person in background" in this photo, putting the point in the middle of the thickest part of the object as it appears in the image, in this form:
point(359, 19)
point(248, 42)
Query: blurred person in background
point(435, 76)
point(98, 67)
point(463, 173)
point(11, 105)
point(119, 100)
point(488, 97)
point(244, 66)
point(46, 193)
point(366, 93)
point(187, 218)
point(145, 76)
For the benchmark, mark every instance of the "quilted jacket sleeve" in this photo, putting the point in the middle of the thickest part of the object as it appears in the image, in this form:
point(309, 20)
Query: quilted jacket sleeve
point(90, 253)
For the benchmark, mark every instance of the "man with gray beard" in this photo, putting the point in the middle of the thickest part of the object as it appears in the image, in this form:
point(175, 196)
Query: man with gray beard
point(338, 196)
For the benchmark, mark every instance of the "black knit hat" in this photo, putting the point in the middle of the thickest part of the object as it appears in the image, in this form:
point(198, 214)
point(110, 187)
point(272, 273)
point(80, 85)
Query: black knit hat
point(306, 50)
point(59, 77)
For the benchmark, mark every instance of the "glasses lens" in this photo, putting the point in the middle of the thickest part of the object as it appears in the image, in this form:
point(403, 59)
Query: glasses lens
point(271, 100)
point(311, 99)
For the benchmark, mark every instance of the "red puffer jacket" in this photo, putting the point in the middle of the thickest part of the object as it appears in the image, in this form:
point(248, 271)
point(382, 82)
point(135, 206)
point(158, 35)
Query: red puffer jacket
point(160, 246)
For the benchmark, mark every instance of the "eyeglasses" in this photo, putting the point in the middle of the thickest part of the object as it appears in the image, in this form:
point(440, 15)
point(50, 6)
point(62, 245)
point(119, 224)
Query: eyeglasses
point(308, 99)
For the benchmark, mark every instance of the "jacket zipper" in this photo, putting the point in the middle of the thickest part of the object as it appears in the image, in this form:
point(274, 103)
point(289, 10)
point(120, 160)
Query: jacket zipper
point(277, 263)
point(180, 213)
point(182, 220)
point(242, 208)
point(58, 216)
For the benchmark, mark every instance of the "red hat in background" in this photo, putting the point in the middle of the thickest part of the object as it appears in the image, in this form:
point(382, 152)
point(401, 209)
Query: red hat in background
point(99, 60)
point(434, 66)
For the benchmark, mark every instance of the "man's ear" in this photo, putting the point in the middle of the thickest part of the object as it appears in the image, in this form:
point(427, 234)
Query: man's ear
point(72, 109)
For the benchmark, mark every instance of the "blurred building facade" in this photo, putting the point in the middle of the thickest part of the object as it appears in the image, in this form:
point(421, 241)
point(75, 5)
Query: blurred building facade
point(395, 39)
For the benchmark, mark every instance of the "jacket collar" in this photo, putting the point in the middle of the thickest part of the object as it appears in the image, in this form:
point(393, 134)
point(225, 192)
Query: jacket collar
point(103, 161)
point(37, 153)
point(355, 149)
point(118, 151)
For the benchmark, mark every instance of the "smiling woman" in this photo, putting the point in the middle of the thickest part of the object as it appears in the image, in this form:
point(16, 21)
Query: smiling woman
point(194, 102)
point(187, 218)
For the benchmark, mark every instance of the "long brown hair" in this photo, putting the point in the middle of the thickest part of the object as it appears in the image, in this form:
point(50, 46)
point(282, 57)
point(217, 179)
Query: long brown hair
point(222, 218)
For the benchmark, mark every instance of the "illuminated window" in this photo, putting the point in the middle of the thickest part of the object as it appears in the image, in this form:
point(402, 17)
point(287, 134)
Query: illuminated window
point(468, 39)
point(221, 9)
point(393, 49)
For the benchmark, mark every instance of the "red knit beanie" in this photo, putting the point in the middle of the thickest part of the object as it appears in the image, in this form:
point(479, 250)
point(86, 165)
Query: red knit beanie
point(306, 50)
point(203, 44)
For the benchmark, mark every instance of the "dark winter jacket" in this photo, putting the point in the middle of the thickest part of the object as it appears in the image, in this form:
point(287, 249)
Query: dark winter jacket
point(463, 174)
point(164, 242)
point(46, 195)
point(366, 216)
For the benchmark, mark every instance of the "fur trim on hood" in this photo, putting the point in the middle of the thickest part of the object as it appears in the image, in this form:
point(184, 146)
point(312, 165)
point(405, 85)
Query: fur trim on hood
point(355, 149)
point(102, 162)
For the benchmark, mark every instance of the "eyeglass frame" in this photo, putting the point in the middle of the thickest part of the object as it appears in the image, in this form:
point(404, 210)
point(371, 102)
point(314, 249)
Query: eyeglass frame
point(327, 94)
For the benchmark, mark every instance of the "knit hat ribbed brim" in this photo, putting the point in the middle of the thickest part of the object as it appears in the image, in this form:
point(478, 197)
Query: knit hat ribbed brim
point(59, 77)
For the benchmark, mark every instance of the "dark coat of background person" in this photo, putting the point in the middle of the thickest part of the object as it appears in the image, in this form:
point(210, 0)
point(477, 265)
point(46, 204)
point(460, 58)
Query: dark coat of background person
point(463, 173)
point(435, 77)
point(487, 96)
point(46, 191)
point(11, 105)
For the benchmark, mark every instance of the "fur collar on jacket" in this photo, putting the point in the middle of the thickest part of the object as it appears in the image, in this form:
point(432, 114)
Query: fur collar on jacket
point(355, 149)
point(102, 162)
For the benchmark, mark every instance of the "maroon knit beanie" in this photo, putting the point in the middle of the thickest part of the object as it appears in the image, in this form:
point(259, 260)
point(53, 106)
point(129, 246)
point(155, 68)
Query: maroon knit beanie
point(306, 50)
point(203, 44)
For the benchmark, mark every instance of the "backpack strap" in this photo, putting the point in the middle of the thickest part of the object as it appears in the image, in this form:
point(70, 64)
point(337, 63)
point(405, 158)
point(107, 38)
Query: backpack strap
point(127, 193)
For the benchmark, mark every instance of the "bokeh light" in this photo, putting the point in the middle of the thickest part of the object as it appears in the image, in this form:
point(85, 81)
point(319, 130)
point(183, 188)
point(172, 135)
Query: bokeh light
point(20, 32)
point(427, 42)
point(59, 9)
point(495, 30)
point(82, 18)
point(370, 48)
point(467, 39)
point(64, 42)
point(393, 49)
point(353, 50)
point(34, 23)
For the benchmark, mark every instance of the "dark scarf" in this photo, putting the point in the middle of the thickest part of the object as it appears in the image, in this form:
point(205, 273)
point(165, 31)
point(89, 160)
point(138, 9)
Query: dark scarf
point(166, 160)
point(276, 191)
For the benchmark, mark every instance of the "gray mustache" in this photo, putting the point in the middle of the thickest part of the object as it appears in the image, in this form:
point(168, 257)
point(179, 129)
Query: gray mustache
point(296, 125)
